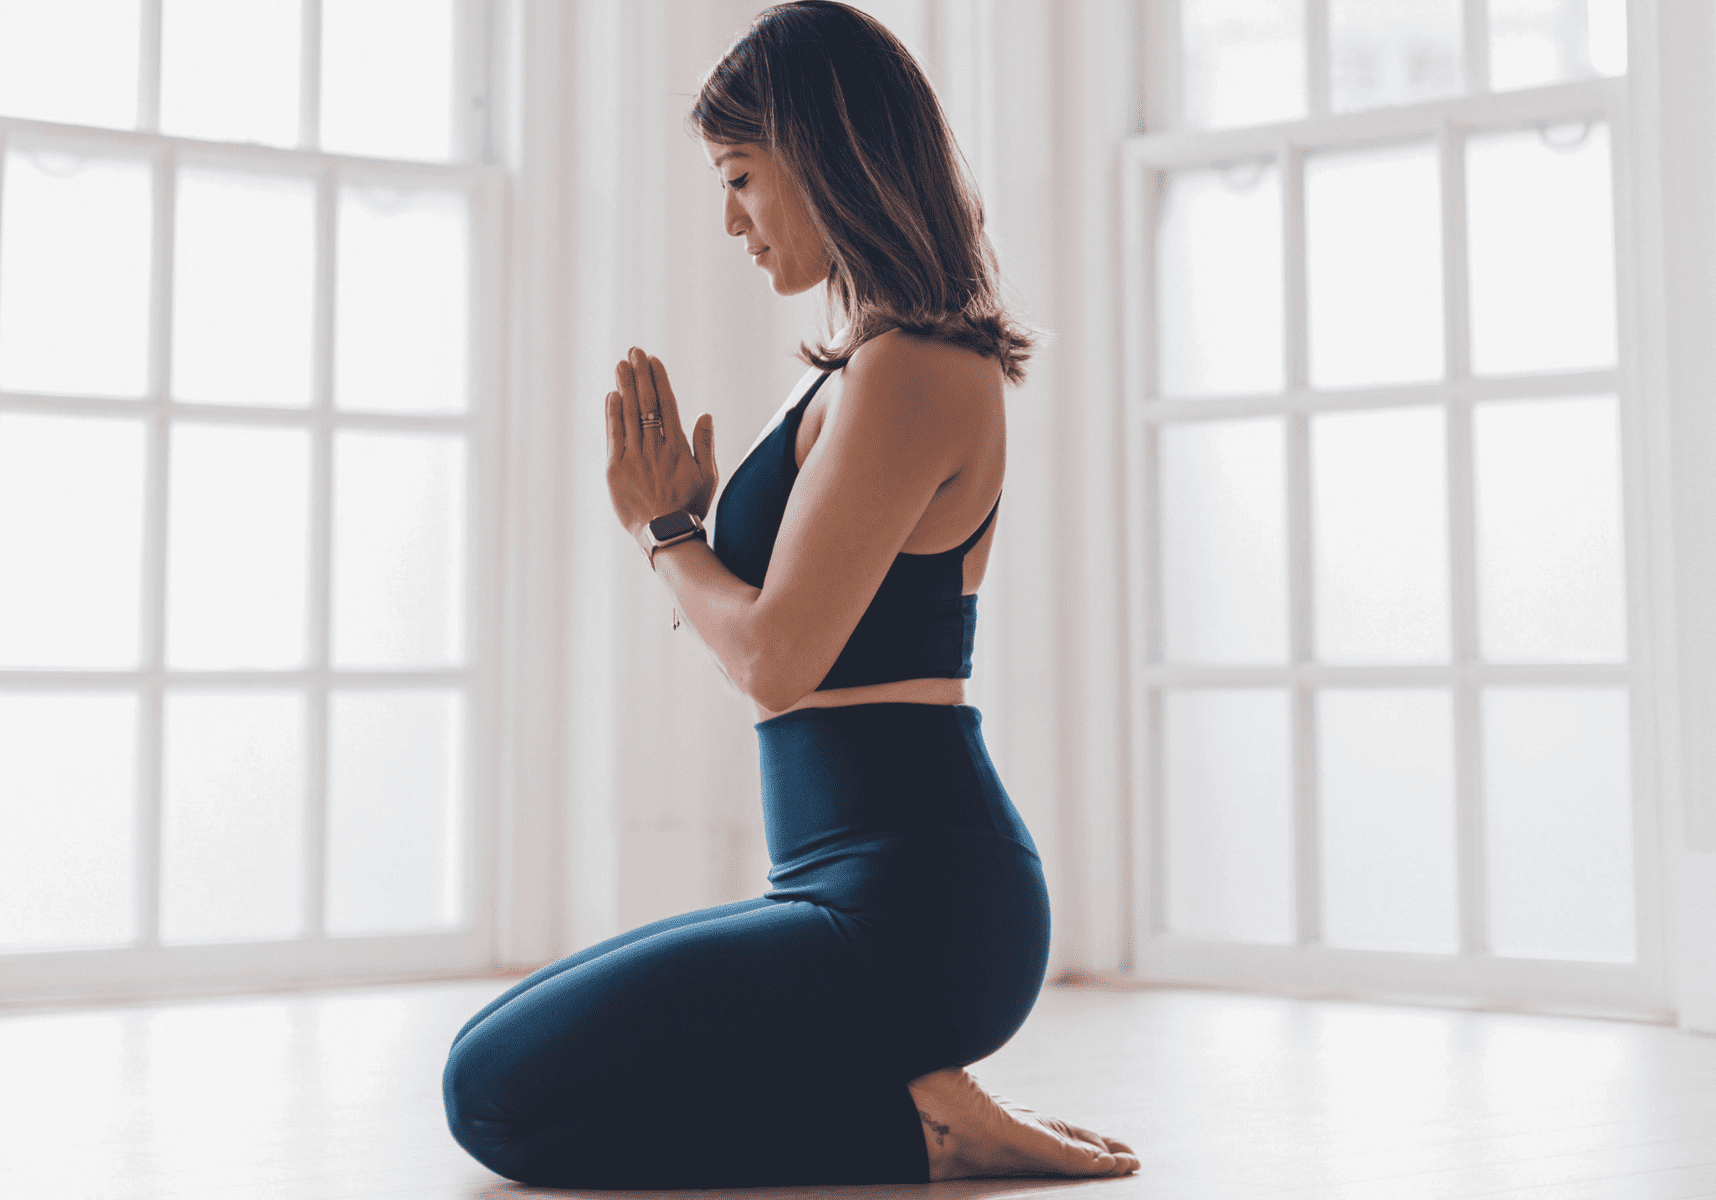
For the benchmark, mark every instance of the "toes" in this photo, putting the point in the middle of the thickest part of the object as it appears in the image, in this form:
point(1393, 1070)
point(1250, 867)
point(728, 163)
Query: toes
point(1125, 1159)
point(1113, 1155)
point(1085, 1135)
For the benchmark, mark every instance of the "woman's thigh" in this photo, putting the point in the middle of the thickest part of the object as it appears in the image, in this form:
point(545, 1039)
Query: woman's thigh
point(746, 1007)
point(616, 942)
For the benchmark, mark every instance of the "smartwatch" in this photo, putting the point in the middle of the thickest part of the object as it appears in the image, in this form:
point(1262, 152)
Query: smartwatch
point(671, 529)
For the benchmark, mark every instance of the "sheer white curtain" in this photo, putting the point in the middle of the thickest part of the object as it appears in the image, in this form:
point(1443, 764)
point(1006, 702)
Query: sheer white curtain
point(1674, 94)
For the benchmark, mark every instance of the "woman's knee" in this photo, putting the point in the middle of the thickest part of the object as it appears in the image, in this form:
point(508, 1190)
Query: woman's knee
point(476, 1114)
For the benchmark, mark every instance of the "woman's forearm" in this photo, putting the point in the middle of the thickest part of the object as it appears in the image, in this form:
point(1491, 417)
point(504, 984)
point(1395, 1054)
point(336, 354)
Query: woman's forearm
point(720, 606)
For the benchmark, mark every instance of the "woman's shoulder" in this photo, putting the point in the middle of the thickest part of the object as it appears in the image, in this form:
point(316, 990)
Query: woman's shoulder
point(923, 350)
point(903, 362)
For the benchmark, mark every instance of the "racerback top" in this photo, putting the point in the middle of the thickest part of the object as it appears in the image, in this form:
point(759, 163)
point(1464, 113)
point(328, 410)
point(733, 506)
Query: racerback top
point(918, 625)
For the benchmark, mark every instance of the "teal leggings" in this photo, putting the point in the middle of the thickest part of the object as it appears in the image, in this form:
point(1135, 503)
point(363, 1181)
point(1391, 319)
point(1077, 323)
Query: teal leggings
point(770, 1041)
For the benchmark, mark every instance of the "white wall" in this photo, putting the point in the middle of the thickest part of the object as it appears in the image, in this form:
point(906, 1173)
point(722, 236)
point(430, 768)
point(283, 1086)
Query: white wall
point(621, 218)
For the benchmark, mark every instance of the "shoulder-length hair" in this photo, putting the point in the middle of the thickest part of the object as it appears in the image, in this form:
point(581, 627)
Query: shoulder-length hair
point(841, 103)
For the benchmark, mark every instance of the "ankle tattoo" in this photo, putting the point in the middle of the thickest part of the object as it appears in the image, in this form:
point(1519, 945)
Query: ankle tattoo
point(941, 1131)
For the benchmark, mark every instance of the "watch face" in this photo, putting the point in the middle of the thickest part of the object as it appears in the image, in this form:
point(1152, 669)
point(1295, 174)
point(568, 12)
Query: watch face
point(671, 526)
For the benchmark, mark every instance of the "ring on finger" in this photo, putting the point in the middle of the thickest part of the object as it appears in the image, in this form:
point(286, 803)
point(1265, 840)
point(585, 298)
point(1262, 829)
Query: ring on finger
point(650, 419)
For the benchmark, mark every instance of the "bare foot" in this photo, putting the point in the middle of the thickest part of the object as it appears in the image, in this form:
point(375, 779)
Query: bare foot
point(971, 1134)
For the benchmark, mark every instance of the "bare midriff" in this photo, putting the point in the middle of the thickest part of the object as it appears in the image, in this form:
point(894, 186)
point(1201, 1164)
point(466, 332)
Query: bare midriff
point(904, 691)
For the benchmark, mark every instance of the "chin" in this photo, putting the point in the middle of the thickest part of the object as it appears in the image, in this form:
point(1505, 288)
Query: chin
point(791, 287)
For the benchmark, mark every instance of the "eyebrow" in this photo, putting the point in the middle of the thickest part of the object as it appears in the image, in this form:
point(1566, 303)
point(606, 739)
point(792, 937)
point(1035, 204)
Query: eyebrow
point(730, 154)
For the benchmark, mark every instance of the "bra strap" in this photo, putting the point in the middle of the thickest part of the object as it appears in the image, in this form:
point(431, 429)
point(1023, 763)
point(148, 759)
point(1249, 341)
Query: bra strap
point(978, 536)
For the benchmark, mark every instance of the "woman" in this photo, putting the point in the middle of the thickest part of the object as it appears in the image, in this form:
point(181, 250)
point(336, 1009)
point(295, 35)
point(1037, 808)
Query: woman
point(817, 1034)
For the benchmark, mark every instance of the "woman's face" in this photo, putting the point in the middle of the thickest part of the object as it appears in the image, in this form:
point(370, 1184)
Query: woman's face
point(764, 208)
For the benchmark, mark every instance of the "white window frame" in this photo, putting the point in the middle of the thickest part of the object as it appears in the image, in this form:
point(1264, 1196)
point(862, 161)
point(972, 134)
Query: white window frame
point(1472, 974)
point(146, 967)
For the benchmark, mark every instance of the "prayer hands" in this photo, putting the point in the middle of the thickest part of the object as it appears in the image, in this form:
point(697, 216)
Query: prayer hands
point(653, 470)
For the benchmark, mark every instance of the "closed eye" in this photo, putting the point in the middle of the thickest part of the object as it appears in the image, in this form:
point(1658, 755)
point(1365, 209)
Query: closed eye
point(737, 184)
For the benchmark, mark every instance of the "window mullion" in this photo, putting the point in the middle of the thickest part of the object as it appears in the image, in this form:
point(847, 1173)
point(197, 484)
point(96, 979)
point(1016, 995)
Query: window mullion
point(1307, 869)
point(1296, 339)
point(1462, 567)
point(1161, 55)
point(153, 609)
point(1318, 85)
point(321, 535)
point(1475, 32)
point(149, 68)
point(1306, 866)
point(470, 98)
point(1456, 292)
point(310, 76)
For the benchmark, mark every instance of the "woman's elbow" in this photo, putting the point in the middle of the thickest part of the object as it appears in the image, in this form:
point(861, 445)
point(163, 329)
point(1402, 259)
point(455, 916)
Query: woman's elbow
point(775, 681)
point(776, 695)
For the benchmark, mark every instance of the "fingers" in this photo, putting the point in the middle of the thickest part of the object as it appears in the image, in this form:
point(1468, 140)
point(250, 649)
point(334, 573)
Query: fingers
point(654, 435)
point(637, 364)
point(616, 427)
point(665, 400)
point(625, 382)
point(705, 449)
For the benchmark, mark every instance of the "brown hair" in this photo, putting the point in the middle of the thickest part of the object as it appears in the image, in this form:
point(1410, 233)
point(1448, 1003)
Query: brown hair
point(858, 128)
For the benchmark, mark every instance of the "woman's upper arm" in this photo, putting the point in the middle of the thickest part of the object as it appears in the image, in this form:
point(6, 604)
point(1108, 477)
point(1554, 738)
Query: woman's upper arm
point(889, 441)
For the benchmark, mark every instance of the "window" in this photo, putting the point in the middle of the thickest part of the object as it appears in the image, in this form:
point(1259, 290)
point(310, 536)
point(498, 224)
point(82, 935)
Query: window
point(1379, 423)
point(247, 345)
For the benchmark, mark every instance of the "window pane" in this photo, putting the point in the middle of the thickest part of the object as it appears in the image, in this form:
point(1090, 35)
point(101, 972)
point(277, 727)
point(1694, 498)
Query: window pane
point(1219, 290)
point(399, 550)
point(1379, 504)
point(67, 778)
point(395, 798)
point(1244, 61)
point(71, 541)
point(1542, 250)
point(404, 292)
point(231, 812)
point(243, 289)
point(1402, 52)
point(230, 71)
point(70, 60)
point(1224, 535)
point(237, 548)
point(1534, 42)
point(1551, 586)
point(1374, 266)
point(1385, 770)
point(74, 275)
point(387, 78)
point(1558, 823)
point(1229, 815)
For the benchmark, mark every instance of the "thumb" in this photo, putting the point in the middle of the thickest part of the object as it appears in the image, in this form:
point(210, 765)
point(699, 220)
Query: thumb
point(706, 441)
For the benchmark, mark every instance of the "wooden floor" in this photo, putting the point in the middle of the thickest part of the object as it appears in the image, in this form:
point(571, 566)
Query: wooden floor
point(334, 1096)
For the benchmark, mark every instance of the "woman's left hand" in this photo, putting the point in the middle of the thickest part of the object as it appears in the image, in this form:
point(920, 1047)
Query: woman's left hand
point(652, 470)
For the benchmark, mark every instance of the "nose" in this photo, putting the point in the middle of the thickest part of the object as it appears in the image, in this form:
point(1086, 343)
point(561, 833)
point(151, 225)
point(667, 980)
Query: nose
point(733, 215)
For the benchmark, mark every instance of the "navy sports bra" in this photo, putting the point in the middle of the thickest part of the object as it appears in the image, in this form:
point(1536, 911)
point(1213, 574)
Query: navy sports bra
point(918, 626)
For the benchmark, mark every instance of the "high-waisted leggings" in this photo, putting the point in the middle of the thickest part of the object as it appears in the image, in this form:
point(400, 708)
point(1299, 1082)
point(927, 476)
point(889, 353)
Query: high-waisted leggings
point(770, 1041)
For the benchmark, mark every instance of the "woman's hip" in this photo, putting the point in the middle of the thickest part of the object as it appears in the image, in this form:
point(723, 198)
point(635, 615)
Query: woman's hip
point(833, 775)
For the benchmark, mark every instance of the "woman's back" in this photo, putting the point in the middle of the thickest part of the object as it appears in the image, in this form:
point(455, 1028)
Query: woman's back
point(919, 623)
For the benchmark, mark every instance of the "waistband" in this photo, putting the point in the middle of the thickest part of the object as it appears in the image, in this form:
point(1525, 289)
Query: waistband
point(835, 775)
